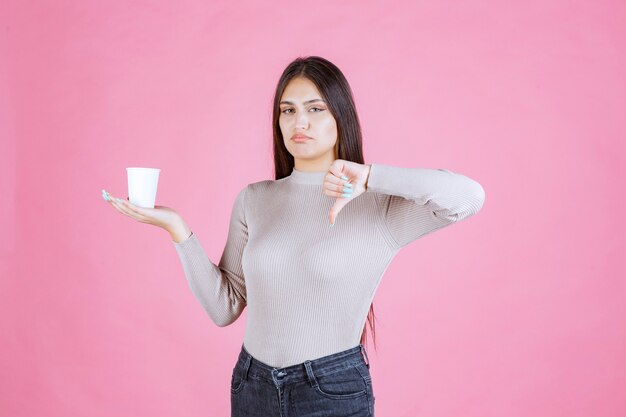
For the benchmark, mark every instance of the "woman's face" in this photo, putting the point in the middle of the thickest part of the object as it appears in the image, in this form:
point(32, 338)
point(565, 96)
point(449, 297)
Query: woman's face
point(304, 112)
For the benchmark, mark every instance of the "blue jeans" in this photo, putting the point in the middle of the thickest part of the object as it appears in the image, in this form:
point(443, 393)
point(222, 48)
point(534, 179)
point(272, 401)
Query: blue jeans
point(335, 385)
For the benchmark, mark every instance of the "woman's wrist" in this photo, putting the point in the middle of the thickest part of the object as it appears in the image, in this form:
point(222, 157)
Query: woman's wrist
point(367, 177)
point(179, 231)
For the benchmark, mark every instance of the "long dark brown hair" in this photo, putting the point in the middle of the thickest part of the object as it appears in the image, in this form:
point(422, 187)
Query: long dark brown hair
point(336, 92)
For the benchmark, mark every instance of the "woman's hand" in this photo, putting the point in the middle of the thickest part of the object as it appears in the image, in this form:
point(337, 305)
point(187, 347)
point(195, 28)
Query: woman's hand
point(345, 180)
point(160, 216)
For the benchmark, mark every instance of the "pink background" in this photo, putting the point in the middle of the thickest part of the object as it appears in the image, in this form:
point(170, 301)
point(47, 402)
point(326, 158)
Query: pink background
point(518, 311)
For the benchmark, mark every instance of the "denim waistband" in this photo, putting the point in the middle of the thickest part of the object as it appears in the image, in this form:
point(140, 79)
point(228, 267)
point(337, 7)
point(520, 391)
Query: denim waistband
point(247, 365)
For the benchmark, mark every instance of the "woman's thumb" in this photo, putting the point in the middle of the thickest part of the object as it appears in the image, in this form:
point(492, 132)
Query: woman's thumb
point(335, 209)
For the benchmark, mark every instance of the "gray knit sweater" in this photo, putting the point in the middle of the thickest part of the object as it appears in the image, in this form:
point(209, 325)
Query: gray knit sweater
point(307, 286)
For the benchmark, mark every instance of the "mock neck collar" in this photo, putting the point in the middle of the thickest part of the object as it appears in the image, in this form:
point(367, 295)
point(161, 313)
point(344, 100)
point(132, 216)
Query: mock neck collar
point(307, 177)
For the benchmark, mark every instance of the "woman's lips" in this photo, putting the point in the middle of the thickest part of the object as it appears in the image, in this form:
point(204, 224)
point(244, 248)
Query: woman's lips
point(300, 139)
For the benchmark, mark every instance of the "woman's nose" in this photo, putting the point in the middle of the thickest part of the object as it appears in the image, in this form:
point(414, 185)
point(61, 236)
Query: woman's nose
point(302, 121)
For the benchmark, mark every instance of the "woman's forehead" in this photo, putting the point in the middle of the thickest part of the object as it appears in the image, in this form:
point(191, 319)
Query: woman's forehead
point(300, 89)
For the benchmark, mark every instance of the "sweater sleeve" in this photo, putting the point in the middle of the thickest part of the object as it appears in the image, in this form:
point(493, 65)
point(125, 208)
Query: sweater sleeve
point(417, 201)
point(220, 289)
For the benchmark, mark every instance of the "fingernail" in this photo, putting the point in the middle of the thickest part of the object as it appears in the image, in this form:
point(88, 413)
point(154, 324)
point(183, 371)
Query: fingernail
point(344, 178)
point(119, 200)
point(347, 190)
point(345, 195)
point(331, 225)
point(348, 185)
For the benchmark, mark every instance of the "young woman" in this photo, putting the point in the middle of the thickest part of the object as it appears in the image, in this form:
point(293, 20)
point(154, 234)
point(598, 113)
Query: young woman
point(306, 251)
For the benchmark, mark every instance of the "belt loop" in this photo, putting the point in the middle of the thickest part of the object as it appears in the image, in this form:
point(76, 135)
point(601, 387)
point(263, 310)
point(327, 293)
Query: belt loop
point(246, 365)
point(309, 372)
point(367, 360)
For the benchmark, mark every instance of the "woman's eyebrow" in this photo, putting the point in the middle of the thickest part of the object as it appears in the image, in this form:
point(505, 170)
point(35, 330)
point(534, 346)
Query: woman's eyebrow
point(306, 102)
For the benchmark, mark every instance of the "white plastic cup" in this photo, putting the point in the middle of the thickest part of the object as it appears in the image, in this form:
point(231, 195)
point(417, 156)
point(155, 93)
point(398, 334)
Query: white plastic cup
point(142, 186)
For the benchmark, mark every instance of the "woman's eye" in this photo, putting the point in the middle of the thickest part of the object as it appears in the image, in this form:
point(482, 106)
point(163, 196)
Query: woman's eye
point(286, 111)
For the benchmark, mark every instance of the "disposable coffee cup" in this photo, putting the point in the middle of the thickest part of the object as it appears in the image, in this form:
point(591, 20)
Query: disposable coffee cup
point(142, 186)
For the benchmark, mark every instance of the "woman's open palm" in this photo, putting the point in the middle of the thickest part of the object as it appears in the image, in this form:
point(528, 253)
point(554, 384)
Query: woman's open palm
point(161, 216)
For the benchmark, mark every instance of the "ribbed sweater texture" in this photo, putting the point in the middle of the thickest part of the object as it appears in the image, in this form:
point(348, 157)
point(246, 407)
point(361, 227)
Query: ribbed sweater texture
point(307, 286)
